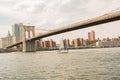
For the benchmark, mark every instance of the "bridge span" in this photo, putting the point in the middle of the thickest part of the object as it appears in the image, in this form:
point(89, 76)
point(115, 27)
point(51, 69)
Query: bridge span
point(110, 17)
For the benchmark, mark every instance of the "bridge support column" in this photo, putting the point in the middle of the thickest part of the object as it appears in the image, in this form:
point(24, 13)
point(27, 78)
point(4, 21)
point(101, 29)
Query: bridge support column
point(29, 46)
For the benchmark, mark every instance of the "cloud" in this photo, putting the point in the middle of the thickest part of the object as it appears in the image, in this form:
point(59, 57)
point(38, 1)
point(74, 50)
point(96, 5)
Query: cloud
point(61, 20)
point(100, 6)
point(30, 6)
point(52, 14)
point(72, 6)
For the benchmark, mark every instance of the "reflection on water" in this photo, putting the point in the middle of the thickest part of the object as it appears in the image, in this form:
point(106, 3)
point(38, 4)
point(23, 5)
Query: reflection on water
point(85, 64)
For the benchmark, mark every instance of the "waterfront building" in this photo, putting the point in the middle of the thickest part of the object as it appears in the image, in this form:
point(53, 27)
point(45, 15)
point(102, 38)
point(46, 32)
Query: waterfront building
point(41, 44)
point(76, 42)
point(46, 44)
point(79, 42)
point(109, 42)
point(52, 43)
point(82, 42)
point(91, 36)
point(91, 43)
point(6, 41)
point(37, 43)
point(67, 42)
point(49, 44)
point(98, 43)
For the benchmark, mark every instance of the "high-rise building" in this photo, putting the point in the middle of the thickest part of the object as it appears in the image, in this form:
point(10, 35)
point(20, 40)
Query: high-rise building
point(37, 43)
point(82, 42)
point(67, 42)
point(6, 41)
point(76, 42)
point(79, 42)
point(49, 44)
point(41, 43)
point(52, 43)
point(17, 30)
point(91, 36)
point(46, 44)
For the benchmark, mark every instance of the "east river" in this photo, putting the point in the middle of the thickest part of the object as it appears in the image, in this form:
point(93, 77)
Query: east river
point(83, 64)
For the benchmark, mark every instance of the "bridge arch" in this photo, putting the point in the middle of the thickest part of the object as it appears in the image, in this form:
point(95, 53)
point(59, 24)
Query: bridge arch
point(31, 34)
point(26, 34)
point(29, 31)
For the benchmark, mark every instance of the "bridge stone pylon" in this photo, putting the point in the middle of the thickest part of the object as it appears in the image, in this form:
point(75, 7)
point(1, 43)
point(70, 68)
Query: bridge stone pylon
point(28, 45)
point(23, 33)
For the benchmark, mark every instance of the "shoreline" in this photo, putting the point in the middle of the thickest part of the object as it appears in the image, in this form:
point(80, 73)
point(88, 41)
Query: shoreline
point(54, 49)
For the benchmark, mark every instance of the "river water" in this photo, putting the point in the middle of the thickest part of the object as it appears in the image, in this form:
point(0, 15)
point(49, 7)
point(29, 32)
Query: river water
point(84, 64)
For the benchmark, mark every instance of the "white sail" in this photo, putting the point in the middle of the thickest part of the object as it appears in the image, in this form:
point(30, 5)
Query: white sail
point(62, 47)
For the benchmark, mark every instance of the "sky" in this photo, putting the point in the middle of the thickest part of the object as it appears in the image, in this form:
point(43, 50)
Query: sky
point(52, 14)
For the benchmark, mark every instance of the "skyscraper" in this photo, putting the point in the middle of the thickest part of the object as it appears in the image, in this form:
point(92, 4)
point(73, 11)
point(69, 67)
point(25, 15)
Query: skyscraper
point(16, 30)
point(6, 41)
point(67, 42)
point(52, 43)
point(76, 42)
point(91, 36)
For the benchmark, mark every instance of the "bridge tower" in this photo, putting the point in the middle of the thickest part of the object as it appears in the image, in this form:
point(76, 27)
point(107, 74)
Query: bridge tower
point(28, 45)
point(22, 33)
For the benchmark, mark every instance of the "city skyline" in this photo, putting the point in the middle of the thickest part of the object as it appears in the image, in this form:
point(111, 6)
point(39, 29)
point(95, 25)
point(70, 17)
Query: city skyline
point(50, 16)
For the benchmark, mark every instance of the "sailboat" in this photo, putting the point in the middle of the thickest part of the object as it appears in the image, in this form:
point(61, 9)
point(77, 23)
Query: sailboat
point(62, 47)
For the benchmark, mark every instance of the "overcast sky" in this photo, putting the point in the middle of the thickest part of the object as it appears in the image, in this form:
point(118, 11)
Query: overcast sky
point(51, 14)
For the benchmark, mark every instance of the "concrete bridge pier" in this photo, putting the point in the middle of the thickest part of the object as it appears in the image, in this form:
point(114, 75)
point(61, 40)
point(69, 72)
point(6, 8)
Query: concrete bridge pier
point(29, 46)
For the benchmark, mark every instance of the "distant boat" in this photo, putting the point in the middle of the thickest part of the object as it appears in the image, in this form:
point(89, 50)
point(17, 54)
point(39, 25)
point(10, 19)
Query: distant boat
point(63, 47)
